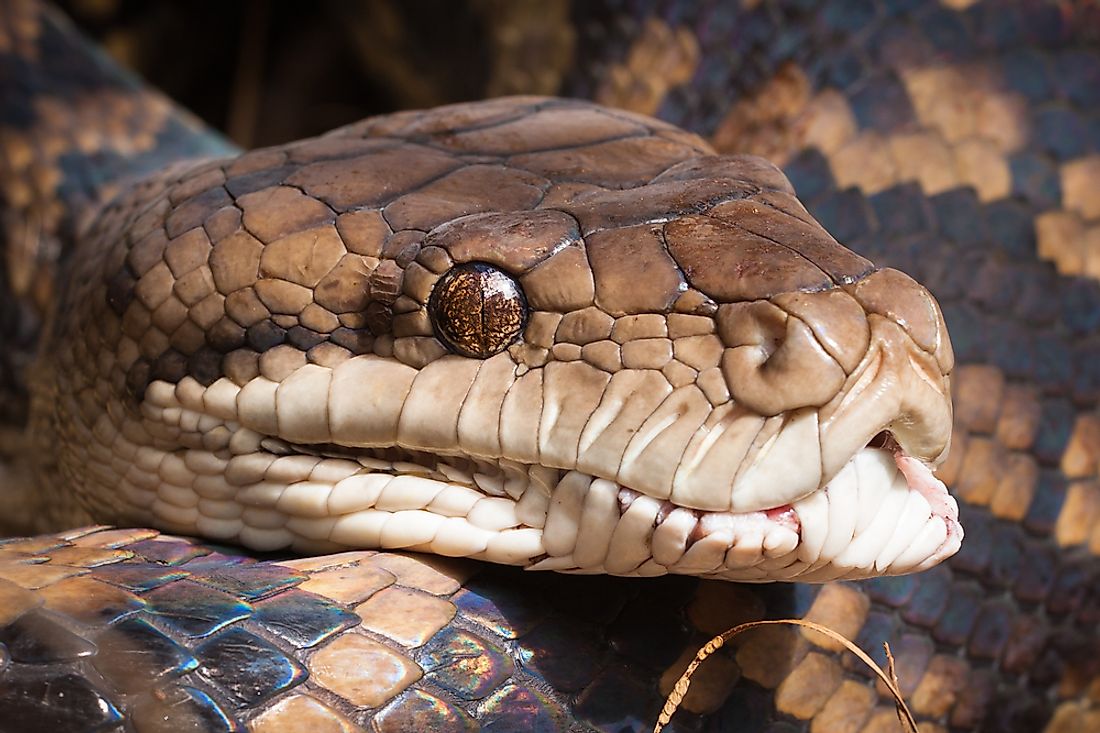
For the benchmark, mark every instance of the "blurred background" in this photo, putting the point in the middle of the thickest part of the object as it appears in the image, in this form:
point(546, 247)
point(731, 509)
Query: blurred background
point(269, 72)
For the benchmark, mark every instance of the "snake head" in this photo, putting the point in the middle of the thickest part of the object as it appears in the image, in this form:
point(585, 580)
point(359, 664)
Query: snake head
point(531, 331)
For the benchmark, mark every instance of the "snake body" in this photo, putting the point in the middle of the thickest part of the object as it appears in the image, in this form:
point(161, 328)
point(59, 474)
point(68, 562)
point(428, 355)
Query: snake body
point(532, 331)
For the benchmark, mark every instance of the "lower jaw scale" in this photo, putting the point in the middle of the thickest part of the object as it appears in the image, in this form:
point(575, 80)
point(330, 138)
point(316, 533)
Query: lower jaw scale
point(605, 527)
point(884, 513)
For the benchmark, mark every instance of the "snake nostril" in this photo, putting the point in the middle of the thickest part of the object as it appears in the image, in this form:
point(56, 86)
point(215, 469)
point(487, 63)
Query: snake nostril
point(773, 362)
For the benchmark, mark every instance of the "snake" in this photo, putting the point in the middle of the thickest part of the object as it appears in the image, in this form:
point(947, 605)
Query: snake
point(563, 336)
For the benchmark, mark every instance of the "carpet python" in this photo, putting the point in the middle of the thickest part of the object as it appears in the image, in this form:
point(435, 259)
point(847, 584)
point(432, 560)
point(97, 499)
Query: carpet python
point(568, 337)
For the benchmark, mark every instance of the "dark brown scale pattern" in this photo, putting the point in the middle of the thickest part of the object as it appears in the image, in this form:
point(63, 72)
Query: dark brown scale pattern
point(73, 125)
point(1004, 638)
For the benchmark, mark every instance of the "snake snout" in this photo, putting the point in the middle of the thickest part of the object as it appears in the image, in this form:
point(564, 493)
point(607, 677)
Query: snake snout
point(808, 394)
point(901, 380)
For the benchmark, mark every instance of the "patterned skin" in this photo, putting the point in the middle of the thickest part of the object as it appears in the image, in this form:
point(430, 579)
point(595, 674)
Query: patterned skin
point(657, 357)
point(519, 650)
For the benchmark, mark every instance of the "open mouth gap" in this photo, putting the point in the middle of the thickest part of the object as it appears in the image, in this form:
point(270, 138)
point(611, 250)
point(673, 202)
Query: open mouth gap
point(501, 476)
point(507, 478)
point(884, 440)
point(490, 475)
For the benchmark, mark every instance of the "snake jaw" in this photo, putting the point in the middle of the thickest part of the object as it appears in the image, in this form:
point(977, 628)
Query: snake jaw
point(882, 513)
point(330, 474)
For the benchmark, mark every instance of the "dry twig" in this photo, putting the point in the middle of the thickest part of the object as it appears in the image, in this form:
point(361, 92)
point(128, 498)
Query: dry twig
point(888, 677)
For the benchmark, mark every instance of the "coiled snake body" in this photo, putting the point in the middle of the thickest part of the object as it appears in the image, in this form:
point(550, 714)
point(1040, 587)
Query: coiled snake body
point(549, 334)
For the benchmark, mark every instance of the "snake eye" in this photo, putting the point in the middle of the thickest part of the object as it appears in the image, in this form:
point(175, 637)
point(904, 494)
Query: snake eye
point(477, 310)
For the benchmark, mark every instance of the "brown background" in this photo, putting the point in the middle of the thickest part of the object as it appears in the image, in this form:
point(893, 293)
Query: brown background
point(269, 72)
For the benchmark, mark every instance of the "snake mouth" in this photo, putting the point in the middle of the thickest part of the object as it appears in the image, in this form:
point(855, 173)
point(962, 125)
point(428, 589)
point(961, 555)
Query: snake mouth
point(883, 513)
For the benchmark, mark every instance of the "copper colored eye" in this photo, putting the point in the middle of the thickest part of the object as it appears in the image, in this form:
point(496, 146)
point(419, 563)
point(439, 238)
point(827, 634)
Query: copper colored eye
point(477, 310)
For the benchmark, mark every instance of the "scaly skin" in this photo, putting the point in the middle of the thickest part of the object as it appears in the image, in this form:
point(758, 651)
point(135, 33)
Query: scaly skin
point(488, 684)
point(691, 366)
